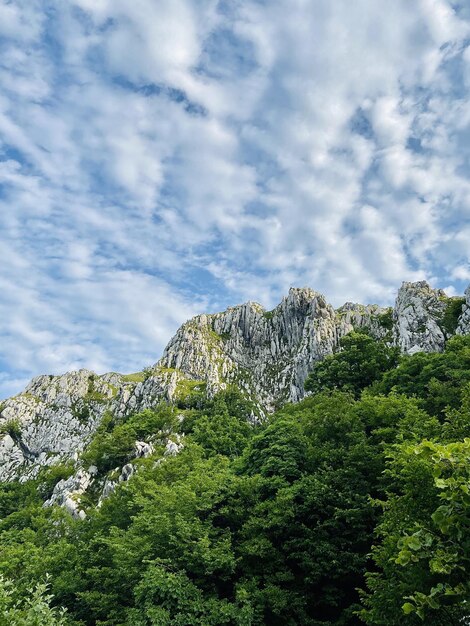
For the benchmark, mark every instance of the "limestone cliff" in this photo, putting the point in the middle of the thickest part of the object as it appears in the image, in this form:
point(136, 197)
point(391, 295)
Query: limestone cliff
point(417, 316)
point(55, 417)
point(267, 354)
point(463, 327)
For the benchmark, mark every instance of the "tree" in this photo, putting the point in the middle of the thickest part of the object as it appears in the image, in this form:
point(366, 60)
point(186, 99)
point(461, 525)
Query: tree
point(424, 554)
point(305, 528)
point(361, 361)
point(437, 379)
point(32, 610)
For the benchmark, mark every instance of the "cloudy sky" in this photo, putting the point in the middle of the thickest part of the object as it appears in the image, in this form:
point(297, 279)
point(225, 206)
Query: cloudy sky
point(161, 158)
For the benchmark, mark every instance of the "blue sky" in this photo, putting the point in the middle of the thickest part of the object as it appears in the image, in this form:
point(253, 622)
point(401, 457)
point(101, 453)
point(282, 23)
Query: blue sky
point(161, 158)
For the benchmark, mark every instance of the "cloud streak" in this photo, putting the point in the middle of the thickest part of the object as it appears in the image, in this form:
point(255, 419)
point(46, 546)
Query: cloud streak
point(160, 159)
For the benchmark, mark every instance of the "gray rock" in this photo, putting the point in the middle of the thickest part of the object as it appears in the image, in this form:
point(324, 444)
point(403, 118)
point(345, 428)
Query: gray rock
point(417, 318)
point(58, 415)
point(267, 354)
point(67, 493)
point(463, 327)
point(143, 449)
point(126, 473)
point(172, 448)
point(359, 317)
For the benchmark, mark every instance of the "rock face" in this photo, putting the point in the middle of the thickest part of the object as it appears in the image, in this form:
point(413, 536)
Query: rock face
point(463, 327)
point(67, 492)
point(267, 354)
point(51, 419)
point(55, 417)
point(375, 319)
point(419, 311)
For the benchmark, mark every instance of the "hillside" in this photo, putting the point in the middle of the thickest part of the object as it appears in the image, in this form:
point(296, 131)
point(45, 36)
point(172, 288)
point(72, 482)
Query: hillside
point(302, 466)
point(266, 354)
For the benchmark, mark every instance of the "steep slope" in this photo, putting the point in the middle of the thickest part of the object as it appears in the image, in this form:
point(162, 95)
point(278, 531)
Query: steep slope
point(54, 418)
point(267, 354)
point(418, 315)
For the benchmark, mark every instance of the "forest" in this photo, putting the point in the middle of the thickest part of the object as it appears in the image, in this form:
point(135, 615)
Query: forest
point(350, 507)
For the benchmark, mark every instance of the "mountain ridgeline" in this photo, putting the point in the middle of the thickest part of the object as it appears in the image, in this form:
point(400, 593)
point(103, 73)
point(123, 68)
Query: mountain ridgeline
point(300, 466)
point(265, 354)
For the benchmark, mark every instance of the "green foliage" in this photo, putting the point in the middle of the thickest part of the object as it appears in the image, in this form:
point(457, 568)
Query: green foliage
point(50, 476)
point(451, 315)
point(361, 361)
point(425, 553)
point(225, 404)
point(93, 395)
point(279, 451)
point(11, 427)
point(114, 442)
point(304, 536)
point(190, 393)
point(81, 410)
point(32, 610)
point(222, 434)
point(167, 597)
point(438, 379)
point(16, 496)
point(137, 377)
point(386, 319)
point(222, 426)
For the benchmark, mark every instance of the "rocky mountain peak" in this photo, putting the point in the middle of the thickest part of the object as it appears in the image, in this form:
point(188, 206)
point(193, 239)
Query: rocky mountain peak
point(266, 354)
point(419, 311)
point(300, 298)
point(255, 348)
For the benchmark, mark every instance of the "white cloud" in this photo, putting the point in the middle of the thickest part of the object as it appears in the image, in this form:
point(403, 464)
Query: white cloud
point(161, 159)
point(21, 21)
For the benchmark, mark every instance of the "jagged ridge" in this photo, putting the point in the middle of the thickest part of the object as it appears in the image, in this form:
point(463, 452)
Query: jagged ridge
point(267, 354)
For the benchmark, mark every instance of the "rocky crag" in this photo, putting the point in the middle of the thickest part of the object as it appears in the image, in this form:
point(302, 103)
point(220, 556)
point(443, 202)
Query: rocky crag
point(267, 354)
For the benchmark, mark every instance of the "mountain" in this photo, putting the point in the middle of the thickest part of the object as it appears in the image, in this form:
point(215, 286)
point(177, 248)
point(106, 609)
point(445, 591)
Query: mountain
point(266, 354)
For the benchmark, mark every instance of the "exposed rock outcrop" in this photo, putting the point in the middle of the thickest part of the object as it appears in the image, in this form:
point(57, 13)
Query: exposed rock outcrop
point(463, 327)
point(267, 354)
point(67, 493)
point(417, 317)
point(372, 318)
point(142, 449)
point(55, 417)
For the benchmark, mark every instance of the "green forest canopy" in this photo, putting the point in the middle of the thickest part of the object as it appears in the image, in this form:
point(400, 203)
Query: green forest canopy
point(350, 507)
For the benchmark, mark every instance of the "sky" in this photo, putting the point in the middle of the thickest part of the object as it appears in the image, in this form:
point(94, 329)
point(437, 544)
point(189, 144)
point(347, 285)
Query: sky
point(164, 158)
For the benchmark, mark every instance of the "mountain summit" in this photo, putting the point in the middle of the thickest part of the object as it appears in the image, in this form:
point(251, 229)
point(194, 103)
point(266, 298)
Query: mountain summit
point(266, 354)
